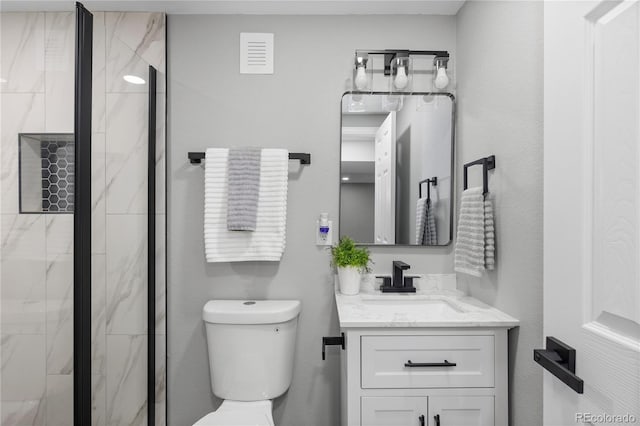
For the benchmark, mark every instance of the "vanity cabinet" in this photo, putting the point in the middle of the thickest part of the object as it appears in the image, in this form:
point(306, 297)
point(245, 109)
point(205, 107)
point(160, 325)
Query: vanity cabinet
point(424, 376)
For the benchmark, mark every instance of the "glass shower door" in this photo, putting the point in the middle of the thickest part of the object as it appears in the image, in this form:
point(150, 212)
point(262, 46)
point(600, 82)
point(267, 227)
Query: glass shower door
point(38, 169)
point(128, 214)
point(82, 183)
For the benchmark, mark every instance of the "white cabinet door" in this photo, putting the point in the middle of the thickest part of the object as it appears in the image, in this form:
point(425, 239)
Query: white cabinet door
point(461, 411)
point(393, 410)
point(385, 182)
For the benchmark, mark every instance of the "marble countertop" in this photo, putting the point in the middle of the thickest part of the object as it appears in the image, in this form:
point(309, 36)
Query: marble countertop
point(437, 303)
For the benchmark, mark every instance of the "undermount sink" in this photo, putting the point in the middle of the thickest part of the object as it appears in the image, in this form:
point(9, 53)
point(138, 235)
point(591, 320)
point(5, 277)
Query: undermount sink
point(409, 305)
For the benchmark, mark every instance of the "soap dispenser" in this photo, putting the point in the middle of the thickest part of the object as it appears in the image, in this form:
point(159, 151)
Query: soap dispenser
point(323, 230)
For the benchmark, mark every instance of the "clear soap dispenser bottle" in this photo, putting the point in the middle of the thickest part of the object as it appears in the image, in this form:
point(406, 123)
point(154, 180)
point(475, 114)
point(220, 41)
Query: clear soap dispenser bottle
point(323, 230)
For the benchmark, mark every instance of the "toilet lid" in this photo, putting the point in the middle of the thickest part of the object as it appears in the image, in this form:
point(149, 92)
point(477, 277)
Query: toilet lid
point(234, 418)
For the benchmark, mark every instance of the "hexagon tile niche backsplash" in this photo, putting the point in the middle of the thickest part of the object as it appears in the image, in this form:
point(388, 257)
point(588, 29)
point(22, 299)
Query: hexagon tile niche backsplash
point(58, 166)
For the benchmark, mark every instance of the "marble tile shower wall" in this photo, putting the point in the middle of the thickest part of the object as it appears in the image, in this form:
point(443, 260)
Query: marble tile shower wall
point(36, 257)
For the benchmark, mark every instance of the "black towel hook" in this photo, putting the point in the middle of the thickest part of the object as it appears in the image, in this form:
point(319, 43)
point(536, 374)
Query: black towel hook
point(488, 163)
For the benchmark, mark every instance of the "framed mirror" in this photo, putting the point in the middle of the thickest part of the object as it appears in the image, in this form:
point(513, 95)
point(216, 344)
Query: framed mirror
point(396, 168)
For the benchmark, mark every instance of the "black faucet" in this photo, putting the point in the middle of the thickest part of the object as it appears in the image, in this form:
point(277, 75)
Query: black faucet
point(399, 284)
point(398, 267)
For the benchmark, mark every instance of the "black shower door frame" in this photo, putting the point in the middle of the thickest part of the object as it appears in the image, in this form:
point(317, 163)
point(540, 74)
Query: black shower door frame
point(82, 219)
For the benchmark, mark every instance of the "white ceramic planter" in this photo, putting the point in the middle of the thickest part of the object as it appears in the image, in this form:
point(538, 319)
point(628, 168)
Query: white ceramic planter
point(349, 280)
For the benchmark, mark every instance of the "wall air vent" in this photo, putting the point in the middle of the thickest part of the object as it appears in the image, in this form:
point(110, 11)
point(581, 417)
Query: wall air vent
point(256, 53)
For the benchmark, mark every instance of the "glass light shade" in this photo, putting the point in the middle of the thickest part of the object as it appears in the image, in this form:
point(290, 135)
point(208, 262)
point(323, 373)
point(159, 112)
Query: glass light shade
point(362, 76)
point(356, 103)
point(442, 74)
point(401, 77)
point(442, 80)
point(392, 102)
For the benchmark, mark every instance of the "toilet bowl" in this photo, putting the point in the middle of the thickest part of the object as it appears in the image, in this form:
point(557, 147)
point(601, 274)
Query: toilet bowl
point(239, 413)
point(251, 345)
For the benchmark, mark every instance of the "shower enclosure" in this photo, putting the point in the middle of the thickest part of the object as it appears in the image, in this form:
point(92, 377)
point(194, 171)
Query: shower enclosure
point(82, 229)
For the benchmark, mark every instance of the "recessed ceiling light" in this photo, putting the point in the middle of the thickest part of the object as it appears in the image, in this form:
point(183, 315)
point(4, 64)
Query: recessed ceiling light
point(345, 178)
point(133, 79)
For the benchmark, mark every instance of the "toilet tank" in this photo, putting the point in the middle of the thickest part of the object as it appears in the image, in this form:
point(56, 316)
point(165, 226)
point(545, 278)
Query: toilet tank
point(251, 346)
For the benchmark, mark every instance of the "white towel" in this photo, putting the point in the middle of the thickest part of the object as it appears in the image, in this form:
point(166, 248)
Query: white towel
point(489, 236)
point(267, 242)
point(421, 220)
point(475, 242)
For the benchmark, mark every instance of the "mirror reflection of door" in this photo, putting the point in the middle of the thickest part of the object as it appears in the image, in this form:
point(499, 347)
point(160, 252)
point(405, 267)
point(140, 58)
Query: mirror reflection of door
point(385, 182)
point(388, 151)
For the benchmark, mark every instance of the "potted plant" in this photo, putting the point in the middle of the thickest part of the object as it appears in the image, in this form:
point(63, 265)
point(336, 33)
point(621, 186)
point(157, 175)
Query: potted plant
point(351, 262)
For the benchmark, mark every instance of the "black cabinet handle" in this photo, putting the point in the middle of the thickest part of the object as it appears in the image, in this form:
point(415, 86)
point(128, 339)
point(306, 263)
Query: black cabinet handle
point(329, 341)
point(430, 364)
point(421, 419)
point(436, 418)
point(560, 360)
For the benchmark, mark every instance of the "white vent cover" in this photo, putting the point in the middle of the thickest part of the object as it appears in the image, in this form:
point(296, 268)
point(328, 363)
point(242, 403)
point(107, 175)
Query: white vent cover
point(256, 53)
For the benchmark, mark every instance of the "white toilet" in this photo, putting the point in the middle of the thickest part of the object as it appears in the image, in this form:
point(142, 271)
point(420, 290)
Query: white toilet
point(251, 346)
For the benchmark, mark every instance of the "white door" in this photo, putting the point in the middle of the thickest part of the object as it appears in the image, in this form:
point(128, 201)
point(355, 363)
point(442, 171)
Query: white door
point(385, 184)
point(394, 410)
point(592, 207)
point(461, 411)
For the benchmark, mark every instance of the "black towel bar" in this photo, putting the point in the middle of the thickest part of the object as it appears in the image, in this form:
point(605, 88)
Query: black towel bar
point(432, 181)
point(488, 163)
point(305, 158)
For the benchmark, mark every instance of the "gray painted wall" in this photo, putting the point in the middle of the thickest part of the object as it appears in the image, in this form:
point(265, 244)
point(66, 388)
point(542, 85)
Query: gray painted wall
point(211, 104)
point(500, 112)
point(357, 210)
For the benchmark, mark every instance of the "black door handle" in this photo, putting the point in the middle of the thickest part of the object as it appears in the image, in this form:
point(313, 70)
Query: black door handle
point(329, 341)
point(421, 419)
point(560, 360)
point(430, 364)
point(436, 419)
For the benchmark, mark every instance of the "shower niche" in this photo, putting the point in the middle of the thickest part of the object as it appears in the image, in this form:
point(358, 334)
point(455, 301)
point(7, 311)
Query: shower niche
point(47, 172)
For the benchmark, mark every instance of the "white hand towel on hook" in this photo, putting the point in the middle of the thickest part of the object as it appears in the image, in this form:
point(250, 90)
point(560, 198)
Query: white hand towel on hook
point(267, 242)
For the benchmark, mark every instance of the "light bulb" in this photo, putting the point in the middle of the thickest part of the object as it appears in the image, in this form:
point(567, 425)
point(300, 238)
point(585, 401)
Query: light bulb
point(441, 78)
point(401, 80)
point(361, 78)
point(133, 79)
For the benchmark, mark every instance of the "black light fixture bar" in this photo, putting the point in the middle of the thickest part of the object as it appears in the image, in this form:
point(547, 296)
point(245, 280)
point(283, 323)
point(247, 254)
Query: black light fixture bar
point(390, 54)
point(304, 157)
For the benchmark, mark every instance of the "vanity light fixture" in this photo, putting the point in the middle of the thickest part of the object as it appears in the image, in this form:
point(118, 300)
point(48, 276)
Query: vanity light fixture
point(133, 79)
point(398, 66)
point(345, 178)
point(440, 71)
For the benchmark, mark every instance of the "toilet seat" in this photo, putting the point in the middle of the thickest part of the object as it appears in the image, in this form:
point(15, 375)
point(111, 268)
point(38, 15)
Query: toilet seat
point(239, 413)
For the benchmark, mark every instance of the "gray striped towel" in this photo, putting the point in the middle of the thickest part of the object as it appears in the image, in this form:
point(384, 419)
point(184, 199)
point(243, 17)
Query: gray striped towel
point(475, 242)
point(431, 236)
point(244, 188)
point(421, 220)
